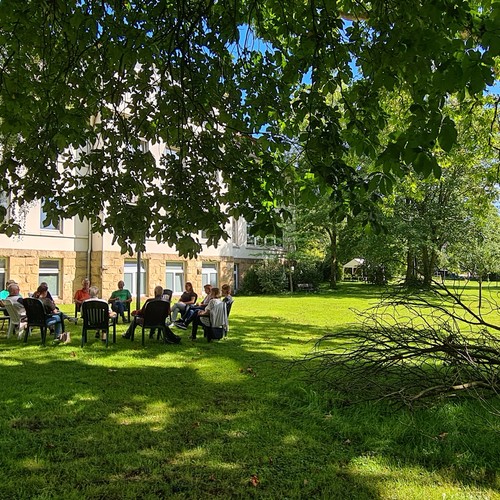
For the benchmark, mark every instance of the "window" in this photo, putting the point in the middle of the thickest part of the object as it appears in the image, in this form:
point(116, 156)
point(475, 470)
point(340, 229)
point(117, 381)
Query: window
point(48, 271)
point(174, 277)
point(4, 203)
point(253, 240)
point(3, 264)
point(130, 277)
point(236, 277)
point(234, 232)
point(43, 218)
point(269, 241)
point(209, 274)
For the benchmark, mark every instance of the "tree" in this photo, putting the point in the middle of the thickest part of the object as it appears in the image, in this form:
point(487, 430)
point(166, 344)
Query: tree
point(432, 214)
point(427, 219)
point(226, 86)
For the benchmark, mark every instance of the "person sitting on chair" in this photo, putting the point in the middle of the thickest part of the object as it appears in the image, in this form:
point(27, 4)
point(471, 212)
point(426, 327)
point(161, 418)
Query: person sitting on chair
point(16, 299)
point(189, 315)
point(54, 315)
point(226, 294)
point(202, 317)
point(187, 298)
point(94, 295)
point(119, 300)
point(82, 294)
point(139, 314)
point(5, 293)
point(49, 296)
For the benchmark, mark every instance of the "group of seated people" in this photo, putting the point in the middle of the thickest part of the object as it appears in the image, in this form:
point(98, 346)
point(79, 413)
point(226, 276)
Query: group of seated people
point(55, 318)
point(197, 314)
point(189, 311)
point(120, 299)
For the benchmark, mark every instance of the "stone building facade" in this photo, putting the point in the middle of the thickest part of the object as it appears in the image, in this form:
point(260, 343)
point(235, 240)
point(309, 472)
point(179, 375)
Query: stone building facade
point(64, 255)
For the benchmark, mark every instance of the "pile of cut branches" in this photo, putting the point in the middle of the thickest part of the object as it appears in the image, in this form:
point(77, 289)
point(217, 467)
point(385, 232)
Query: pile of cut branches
point(414, 346)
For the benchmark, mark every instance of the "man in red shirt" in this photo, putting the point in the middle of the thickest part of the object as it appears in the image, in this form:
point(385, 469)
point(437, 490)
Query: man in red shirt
point(82, 294)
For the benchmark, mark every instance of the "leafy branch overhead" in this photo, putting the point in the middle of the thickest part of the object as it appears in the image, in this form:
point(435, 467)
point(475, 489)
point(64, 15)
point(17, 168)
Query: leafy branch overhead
point(225, 88)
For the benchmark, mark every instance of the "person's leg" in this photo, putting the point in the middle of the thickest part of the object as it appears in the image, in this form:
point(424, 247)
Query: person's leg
point(71, 319)
point(55, 321)
point(118, 307)
point(129, 334)
point(175, 311)
point(131, 329)
point(186, 319)
point(191, 315)
point(194, 328)
point(61, 318)
point(179, 307)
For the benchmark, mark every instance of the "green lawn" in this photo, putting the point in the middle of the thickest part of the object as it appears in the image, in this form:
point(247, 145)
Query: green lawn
point(227, 419)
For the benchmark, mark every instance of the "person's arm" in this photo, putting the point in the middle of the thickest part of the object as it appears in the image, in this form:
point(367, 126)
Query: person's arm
point(129, 296)
point(141, 312)
point(206, 312)
point(192, 299)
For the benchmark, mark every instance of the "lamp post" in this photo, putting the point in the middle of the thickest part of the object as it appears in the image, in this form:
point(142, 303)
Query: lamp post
point(138, 283)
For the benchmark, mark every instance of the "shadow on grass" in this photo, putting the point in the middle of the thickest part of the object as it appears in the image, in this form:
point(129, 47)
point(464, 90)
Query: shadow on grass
point(197, 420)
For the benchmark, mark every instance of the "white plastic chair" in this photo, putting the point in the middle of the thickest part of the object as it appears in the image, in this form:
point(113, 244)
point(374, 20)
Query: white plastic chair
point(15, 319)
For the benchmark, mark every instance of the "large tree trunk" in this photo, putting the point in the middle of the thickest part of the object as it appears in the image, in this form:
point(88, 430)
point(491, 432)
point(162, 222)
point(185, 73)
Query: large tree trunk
point(332, 233)
point(411, 268)
point(429, 259)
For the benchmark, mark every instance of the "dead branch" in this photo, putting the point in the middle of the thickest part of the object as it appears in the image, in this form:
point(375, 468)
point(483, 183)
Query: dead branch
point(413, 347)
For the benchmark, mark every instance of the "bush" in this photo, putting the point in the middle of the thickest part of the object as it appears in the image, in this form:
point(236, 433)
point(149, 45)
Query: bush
point(272, 277)
point(375, 273)
point(266, 277)
point(250, 282)
point(308, 271)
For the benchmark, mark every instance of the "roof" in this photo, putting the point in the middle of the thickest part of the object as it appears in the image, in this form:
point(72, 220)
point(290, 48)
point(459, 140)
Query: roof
point(357, 262)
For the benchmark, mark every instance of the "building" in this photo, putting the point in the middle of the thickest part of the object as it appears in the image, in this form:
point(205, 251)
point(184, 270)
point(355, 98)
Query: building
point(62, 256)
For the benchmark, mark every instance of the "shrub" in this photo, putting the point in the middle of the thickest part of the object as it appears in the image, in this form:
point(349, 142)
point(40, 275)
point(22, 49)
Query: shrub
point(375, 273)
point(250, 282)
point(272, 277)
point(307, 271)
point(265, 277)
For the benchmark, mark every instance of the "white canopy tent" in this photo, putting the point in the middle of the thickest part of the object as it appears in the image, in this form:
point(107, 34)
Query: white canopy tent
point(351, 269)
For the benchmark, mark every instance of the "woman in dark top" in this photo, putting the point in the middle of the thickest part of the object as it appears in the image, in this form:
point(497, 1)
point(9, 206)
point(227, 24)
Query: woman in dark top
point(54, 315)
point(188, 297)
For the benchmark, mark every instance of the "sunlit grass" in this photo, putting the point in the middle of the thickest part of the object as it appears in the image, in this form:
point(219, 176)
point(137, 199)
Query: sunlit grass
point(227, 419)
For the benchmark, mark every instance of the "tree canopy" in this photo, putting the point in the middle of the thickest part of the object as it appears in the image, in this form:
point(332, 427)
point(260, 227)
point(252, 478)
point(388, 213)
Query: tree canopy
point(226, 87)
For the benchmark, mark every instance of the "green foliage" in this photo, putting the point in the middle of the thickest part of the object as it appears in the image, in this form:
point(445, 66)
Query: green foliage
point(226, 89)
point(272, 277)
point(250, 283)
point(307, 271)
point(266, 277)
point(376, 273)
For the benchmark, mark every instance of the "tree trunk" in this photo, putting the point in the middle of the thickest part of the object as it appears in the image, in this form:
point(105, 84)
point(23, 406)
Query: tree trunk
point(411, 268)
point(429, 259)
point(332, 233)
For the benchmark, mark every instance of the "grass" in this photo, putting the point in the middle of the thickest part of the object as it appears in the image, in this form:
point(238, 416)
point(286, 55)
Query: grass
point(227, 419)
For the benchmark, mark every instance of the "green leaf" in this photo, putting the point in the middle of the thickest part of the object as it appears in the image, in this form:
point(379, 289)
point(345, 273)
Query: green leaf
point(447, 135)
point(423, 164)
